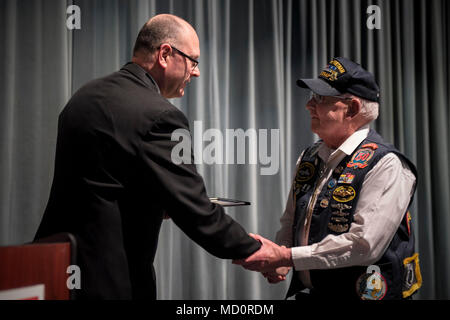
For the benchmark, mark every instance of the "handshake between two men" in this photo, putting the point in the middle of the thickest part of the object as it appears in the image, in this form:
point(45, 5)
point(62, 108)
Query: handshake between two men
point(272, 260)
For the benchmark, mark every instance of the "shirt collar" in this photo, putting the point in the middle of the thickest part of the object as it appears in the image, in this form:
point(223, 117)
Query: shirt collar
point(348, 147)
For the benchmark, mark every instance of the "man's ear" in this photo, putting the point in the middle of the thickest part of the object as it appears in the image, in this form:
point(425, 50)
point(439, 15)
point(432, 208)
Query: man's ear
point(354, 108)
point(163, 54)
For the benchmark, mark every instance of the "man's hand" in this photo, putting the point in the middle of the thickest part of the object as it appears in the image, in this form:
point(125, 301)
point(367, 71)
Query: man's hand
point(268, 258)
point(277, 275)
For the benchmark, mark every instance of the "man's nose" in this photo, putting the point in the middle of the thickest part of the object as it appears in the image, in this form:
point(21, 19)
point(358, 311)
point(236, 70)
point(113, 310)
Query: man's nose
point(195, 72)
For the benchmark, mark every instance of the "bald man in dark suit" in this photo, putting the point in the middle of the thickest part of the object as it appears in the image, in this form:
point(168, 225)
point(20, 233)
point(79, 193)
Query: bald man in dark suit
point(114, 177)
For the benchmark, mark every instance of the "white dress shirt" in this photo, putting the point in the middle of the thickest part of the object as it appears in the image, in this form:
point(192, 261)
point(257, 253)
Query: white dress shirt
point(383, 201)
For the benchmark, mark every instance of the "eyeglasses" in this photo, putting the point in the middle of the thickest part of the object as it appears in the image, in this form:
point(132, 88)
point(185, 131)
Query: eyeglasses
point(194, 62)
point(317, 98)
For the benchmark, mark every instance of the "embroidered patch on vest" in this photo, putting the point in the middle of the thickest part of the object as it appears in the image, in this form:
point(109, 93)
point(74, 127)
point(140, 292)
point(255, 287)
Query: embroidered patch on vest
point(339, 219)
point(412, 280)
point(371, 286)
point(341, 206)
point(340, 214)
point(324, 203)
point(361, 158)
point(332, 184)
point(373, 146)
point(305, 172)
point(346, 178)
point(408, 222)
point(338, 228)
point(344, 194)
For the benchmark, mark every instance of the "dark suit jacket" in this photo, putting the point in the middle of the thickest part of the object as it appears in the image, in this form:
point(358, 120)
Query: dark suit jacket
point(113, 180)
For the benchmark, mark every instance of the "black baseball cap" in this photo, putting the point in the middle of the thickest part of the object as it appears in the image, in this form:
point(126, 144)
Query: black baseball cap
point(342, 75)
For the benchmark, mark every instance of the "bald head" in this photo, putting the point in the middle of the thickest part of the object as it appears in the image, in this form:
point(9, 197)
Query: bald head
point(168, 48)
point(163, 28)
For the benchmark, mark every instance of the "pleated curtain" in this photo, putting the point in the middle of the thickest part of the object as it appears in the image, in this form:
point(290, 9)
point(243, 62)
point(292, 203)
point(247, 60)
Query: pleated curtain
point(252, 52)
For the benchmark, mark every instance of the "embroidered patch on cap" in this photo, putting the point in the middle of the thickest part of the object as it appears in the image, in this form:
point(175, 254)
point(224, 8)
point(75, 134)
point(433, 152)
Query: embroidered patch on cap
point(332, 71)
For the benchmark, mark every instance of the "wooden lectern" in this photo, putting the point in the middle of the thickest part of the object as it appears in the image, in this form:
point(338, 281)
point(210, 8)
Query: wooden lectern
point(42, 262)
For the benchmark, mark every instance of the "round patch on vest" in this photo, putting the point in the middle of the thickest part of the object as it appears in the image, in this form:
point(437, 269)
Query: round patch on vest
point(332, 184)
point(371, 286)
point(305, 172)
point(344, 194)
point(361, 158)
point(324, 203)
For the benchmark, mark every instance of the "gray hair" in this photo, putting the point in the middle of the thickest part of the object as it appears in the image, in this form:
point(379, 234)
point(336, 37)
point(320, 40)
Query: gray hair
point(369, 109)
point(160, 29)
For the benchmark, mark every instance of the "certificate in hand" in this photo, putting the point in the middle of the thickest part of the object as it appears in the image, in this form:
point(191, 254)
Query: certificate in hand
point(229, 202)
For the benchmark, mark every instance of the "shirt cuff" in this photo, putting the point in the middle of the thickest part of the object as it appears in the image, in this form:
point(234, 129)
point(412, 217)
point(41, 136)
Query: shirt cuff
point(302, 258)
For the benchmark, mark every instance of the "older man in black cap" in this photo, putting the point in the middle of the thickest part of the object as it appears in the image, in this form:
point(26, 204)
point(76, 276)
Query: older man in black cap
point(346, 229)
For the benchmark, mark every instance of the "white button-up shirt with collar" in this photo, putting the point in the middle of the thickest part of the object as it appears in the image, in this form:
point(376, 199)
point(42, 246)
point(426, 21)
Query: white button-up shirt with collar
point(383, 201)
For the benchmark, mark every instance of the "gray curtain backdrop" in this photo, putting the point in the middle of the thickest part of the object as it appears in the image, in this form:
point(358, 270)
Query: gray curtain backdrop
point(252, 52)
